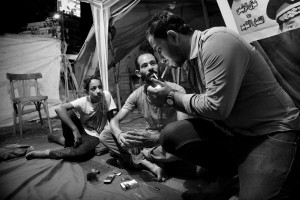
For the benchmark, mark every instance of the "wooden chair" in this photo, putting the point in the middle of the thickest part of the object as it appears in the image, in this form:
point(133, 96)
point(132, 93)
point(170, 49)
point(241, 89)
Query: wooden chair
point(22, 87)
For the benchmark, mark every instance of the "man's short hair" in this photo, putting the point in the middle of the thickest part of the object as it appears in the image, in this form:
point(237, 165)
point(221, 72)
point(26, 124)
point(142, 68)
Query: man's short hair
point(137, 66)
point(164, 21)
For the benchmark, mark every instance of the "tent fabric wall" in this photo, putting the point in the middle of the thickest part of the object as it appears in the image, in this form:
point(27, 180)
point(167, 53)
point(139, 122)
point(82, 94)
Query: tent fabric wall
point(131, 29)
point(285, 60)
point(29, 54)
point(101, 21)
point(101, 11)
point(131, 26)
point(86, 61)
point(130, 33)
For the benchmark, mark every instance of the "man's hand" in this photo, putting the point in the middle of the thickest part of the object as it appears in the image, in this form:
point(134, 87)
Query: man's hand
point(137, 138)
point(77, 138)
point(157, 95)
point(146, 138)
point(123, 141)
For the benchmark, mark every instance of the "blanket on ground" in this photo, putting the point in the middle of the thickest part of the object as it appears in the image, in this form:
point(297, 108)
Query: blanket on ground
point(11, 151)
point(40, 179)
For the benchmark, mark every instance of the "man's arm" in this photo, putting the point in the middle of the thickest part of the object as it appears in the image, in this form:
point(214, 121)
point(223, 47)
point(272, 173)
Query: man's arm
point(62, 113)
point(181, 113)
point(111, 114)
point(116, 120)
point(130, 138)
point(182, 116)
point(225, 60)
point(112, 108)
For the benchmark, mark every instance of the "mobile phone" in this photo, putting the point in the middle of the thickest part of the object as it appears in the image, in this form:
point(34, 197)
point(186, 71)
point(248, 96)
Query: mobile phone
point(109, 178)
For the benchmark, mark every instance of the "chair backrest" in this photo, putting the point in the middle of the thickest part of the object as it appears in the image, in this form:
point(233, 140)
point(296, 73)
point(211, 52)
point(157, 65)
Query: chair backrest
point(24, 85)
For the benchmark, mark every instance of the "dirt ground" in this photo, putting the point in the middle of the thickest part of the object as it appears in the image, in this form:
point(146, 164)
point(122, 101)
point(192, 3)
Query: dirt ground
point(187, 183)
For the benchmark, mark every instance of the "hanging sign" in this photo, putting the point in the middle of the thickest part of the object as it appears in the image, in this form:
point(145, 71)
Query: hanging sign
point(248, 18)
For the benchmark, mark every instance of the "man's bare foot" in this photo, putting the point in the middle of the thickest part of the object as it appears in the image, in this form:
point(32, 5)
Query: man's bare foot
point(38, 154)
point(155, 169)
point(31, 148)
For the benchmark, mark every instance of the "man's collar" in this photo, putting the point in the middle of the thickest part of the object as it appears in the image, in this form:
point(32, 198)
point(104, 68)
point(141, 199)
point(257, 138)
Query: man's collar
point(195, 44)
point(194, 48)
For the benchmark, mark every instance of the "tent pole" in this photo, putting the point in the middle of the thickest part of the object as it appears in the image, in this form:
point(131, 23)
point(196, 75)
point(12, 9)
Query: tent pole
point(66, 82)
point(178, 75)
point(74, 81)
point(118, 89)
point(205, 13)
point(115, 71)
point(65, 71)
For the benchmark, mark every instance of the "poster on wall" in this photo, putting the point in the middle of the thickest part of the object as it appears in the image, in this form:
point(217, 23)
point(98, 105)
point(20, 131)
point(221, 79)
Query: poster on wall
point(275, 25)
point(249, 18)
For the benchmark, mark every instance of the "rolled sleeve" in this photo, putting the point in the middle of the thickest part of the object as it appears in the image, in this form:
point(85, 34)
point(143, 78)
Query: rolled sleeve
point(225, 60)
point(183, 99)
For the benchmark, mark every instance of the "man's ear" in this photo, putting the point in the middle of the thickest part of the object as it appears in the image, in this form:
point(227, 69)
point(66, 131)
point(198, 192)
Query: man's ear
point(172, 36)
point(138, 73)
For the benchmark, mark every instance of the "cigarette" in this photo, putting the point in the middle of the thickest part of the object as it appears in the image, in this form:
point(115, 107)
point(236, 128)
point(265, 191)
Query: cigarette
point(155, 76)
point(162, 76)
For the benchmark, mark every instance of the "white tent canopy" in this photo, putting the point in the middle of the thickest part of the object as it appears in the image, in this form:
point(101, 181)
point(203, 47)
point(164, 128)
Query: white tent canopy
point(200, 15)
point(29, 54)
point(101, 11)
point(130, 29)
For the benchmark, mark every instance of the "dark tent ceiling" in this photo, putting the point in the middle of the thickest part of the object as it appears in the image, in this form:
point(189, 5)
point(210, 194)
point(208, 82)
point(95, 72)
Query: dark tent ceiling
point(130, 30)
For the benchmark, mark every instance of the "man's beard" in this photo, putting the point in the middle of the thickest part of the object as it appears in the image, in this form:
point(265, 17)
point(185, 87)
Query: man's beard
point(147, 78)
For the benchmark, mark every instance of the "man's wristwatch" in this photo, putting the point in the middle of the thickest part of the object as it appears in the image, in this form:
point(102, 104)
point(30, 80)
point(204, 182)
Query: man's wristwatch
point(170, 98)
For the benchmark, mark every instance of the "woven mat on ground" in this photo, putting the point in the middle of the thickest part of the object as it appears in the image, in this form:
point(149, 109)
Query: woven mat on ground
point(57, 179)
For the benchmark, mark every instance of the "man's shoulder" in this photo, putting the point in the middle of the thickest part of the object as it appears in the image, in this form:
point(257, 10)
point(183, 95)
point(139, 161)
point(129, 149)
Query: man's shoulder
point(220, 29)
point(137, 92)
point(79, 102)
point(80, 99)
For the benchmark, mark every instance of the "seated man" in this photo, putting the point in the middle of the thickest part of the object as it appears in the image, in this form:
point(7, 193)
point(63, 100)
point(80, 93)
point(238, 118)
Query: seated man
point(81, 134)
point(120, 142)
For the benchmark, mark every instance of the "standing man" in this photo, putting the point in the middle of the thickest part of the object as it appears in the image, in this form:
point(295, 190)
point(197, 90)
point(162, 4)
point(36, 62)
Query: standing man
point(236, 92)
point(157, 115)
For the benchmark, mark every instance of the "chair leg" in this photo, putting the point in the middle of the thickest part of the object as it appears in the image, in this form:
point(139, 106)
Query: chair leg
point(15, 123)
point(20, 111)
point(48, 117)
point(15, 116)
point(38, 108)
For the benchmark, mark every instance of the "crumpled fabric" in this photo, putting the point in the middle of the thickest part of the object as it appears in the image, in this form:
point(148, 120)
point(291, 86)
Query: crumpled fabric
point(40, 179)
point(11, 151)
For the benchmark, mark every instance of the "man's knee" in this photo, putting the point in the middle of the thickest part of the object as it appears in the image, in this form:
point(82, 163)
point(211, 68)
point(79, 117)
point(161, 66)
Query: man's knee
point(106, 136)
point(167, 140)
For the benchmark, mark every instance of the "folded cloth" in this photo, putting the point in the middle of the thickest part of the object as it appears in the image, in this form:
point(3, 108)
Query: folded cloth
point(14, 150)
